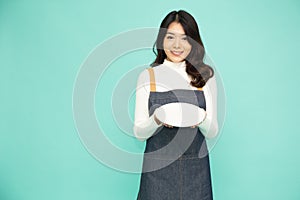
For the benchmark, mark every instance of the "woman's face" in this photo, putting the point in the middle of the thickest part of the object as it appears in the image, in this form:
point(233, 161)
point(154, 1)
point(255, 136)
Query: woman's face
point(176, 45)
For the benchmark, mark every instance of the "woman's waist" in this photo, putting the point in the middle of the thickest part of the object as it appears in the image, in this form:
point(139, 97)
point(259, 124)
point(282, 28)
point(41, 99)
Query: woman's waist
point(176, 141)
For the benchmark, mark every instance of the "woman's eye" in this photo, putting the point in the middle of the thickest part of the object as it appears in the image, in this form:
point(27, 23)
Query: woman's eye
point(169, 37)
point(184, 38)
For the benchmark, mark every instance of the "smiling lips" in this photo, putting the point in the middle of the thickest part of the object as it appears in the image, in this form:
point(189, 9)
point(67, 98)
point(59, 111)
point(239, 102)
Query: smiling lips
point(176, 53)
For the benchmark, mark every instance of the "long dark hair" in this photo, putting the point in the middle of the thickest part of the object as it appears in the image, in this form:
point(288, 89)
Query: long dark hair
point(199, 72)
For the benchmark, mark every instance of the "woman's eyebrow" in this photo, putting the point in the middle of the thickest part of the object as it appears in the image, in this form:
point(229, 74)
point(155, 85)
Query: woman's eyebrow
point(174, 33)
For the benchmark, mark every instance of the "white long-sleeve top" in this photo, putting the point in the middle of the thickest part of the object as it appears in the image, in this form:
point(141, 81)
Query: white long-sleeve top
point(170, 76)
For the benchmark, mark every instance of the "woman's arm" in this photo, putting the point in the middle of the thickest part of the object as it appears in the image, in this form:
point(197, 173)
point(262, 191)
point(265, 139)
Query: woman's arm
point(209, 127)
point(144, 126)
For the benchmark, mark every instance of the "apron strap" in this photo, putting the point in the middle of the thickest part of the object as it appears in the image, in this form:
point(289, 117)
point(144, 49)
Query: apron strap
point(152, 79)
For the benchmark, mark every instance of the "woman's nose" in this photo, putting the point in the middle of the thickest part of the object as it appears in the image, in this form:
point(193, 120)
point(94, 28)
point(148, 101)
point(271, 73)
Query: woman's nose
point(177, 43)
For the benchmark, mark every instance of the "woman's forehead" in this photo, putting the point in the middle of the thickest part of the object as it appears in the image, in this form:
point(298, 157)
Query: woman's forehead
point(171, 32)
point(176, 29)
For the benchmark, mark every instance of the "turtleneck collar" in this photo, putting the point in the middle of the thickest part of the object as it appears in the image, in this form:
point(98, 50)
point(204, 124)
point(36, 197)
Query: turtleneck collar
point(179, 65)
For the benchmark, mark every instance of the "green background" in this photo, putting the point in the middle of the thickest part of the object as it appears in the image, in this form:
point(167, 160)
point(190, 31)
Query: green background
point(254, 44)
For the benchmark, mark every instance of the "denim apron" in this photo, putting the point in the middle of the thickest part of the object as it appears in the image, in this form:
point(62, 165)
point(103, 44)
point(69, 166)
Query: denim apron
point(176, 162)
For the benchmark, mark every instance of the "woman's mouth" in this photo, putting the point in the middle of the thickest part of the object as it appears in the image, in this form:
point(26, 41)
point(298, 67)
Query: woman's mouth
point(176, 53)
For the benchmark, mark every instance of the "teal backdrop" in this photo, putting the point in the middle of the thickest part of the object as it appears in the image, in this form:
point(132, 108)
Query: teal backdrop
point(254, 45)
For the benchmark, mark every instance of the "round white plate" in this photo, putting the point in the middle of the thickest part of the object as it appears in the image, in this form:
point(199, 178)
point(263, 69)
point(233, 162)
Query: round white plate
point(180, 114)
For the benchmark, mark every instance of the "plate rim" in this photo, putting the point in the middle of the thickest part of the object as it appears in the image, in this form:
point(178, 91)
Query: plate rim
point(180, 124)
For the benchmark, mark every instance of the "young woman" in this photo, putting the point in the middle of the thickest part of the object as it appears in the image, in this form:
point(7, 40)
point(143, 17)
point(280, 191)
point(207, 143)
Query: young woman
point(176, 161)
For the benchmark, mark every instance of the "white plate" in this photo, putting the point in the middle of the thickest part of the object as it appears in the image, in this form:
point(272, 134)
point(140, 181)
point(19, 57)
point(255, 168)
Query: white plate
point(180, 114)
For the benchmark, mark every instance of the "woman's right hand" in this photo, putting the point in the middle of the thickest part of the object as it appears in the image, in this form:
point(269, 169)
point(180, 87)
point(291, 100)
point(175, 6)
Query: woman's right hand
point(159, 122)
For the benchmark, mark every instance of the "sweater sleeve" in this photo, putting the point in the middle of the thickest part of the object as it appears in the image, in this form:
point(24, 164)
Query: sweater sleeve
point(144, 126)
point(209, 127)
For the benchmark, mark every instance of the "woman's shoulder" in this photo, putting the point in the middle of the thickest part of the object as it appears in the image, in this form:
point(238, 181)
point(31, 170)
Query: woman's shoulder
point(144, 74)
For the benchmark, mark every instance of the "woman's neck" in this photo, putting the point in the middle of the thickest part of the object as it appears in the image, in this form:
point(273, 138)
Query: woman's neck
point(176, 65)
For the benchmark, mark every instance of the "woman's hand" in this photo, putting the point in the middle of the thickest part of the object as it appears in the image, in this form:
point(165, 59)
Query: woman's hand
point(159, 122)
point(167, 125)
point(170, 126)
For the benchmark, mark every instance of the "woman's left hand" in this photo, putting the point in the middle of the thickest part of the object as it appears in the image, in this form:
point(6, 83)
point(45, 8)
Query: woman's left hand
point(195, 125)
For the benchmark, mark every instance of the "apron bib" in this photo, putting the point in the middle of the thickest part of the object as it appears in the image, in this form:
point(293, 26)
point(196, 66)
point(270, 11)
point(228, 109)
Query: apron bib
point(176, 161)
